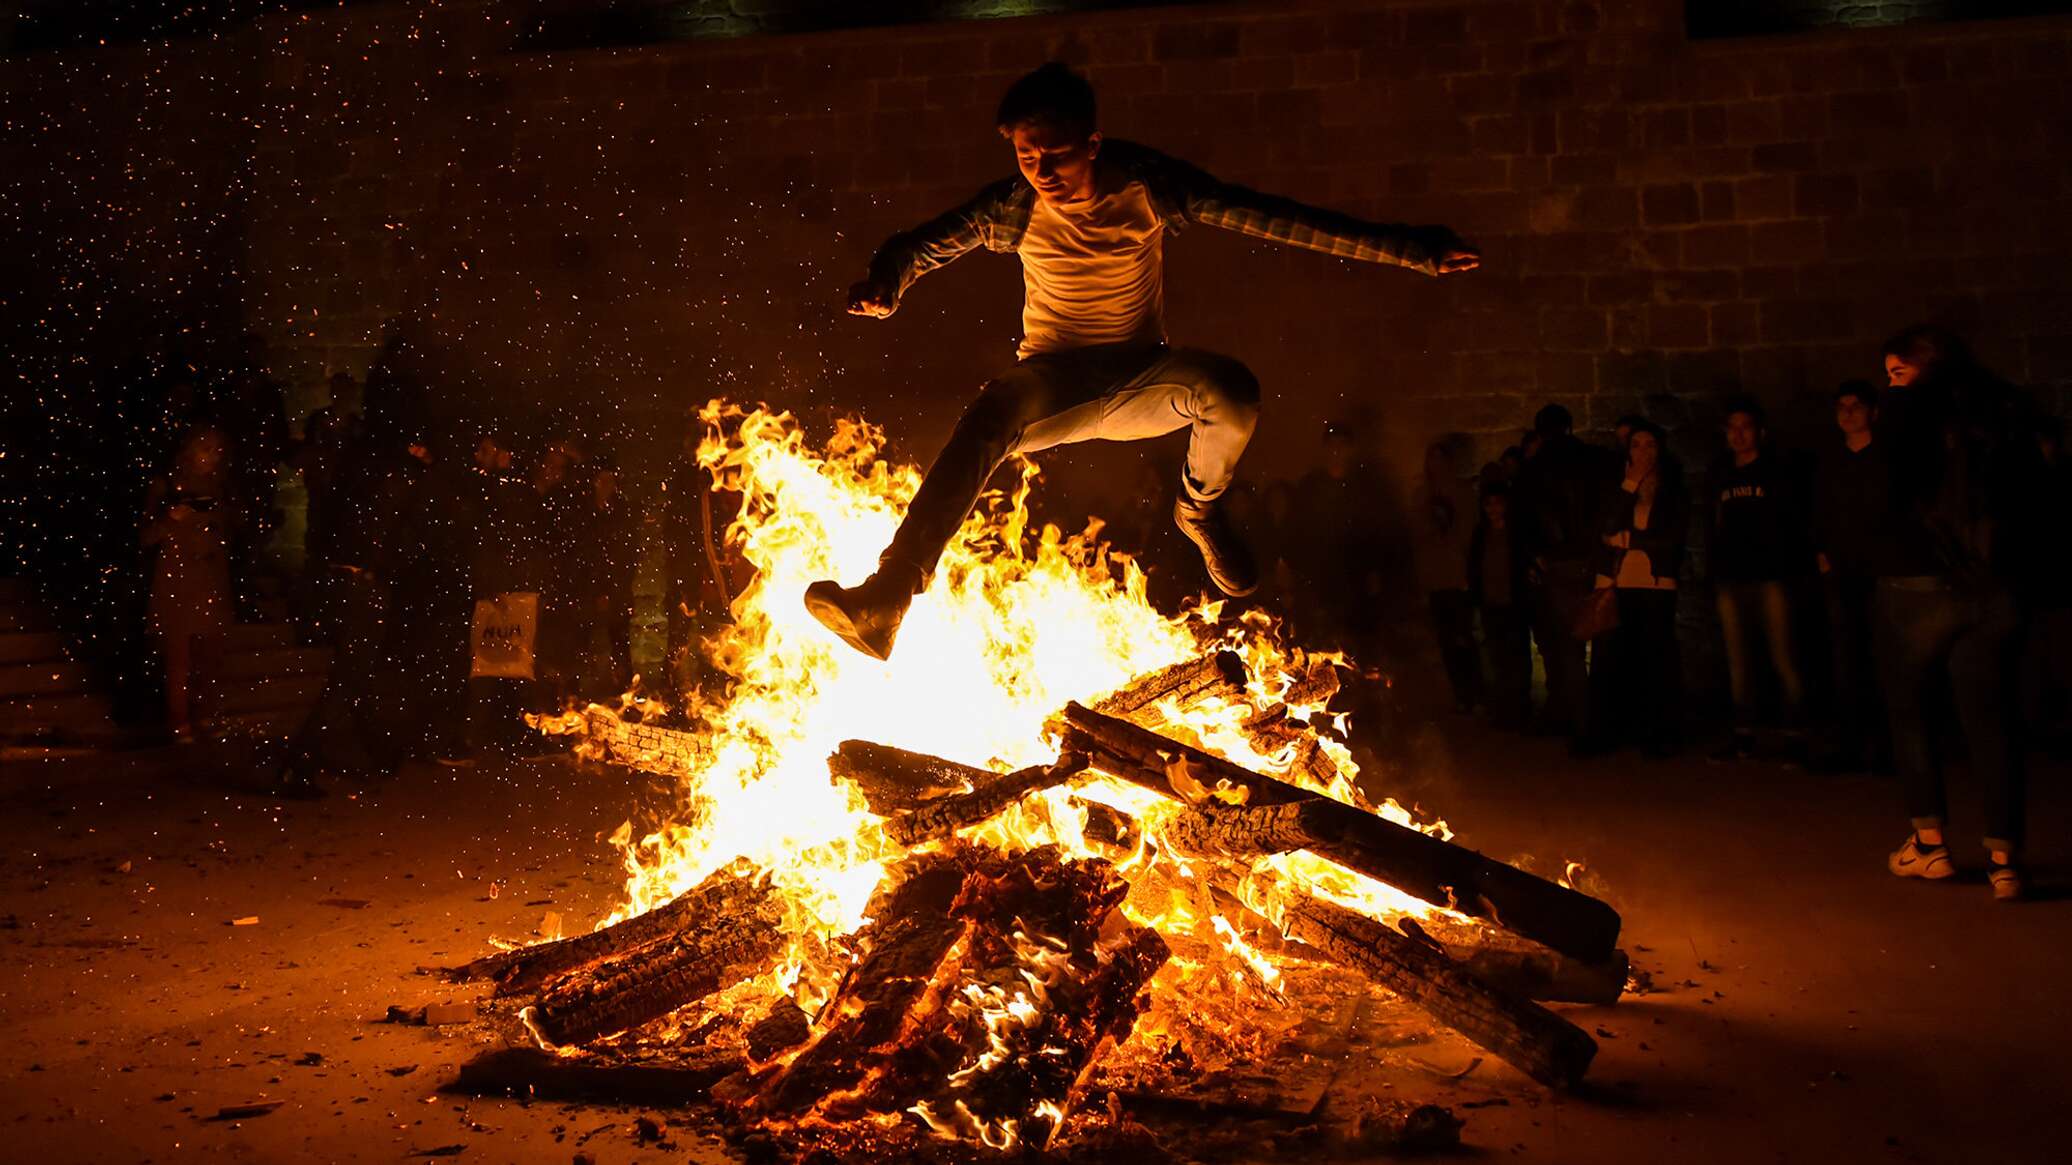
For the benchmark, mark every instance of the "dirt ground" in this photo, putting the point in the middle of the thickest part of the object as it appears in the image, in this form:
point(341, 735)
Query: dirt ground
point(1808, 1007)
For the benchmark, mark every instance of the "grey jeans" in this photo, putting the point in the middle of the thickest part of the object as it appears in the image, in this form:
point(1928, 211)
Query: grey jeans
point(1109, 393)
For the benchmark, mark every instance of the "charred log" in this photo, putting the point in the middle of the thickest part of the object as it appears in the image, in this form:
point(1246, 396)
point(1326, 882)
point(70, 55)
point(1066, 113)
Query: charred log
point(530, 1074)
point(1523, 1034)
point(1522, 967)
point(648, 982)
point(726, 893)
point(1416, 863)
point(1217, 673)
point(913, 791)
point(902, 951)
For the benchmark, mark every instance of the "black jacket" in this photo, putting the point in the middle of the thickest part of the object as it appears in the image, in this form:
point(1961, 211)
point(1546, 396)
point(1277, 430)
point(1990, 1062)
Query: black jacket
point(1669, 524)
point(1758, 529)
point(1968, 482)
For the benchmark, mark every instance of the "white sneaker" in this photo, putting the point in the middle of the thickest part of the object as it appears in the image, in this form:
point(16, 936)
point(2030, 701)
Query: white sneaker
point(2007, 882)
point(1913, 861)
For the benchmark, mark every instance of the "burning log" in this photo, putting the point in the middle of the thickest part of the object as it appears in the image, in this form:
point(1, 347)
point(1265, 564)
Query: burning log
point(1416, 863)
point(708, 952)
point(923, 797)
point(728, 892)
point(1185, 683)
point(1523, 1034)
point(1522, 967)
point(910, 933)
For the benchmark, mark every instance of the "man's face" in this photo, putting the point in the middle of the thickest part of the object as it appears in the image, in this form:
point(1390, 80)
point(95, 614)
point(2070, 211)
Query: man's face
point(1059, 164)
point(1854, 417)
point(1497, 510)
point(1899, 373)
point(1743, 434)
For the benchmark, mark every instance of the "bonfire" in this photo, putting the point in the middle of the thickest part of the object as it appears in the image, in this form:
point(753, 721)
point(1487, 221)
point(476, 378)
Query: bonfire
point(1061, 848)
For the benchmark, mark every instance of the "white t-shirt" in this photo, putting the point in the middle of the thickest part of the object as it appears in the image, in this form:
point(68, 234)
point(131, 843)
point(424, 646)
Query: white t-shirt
point(1093, 273)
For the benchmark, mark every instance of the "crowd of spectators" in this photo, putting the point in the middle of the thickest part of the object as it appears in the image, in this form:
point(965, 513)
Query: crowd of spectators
point(1914, 545)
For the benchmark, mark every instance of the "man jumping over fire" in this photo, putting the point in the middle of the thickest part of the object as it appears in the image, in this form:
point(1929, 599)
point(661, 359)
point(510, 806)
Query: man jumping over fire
point(1088, 218)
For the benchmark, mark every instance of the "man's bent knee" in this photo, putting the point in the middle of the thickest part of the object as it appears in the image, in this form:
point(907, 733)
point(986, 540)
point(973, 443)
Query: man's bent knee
point(1221, 386)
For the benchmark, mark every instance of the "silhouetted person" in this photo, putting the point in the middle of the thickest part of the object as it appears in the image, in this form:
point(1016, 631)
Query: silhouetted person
point(1854, 536)
point(607, 545)
point(1557, 496)
point(505, 575)
point(1496, 580)
point(1967, 477)
point(1443, 517)
point(353, 729)
point(191, 524)
point(252, 407)
point(1758, 546)
point(1336, 544)
point(1088, 218)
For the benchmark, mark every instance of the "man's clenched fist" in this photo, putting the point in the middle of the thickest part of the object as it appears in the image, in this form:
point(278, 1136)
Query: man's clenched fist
point(873, 299)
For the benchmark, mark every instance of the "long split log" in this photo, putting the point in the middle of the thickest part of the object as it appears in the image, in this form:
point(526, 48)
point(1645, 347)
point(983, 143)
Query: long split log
point(1436, 871)
point(890, 778)
point(1523, 1034)
point(729, 891)
point(649, 982)
point(1522, 967)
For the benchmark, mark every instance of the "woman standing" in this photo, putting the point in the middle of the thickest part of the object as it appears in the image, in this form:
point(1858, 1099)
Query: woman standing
point(189, 519)
point(1636, 672)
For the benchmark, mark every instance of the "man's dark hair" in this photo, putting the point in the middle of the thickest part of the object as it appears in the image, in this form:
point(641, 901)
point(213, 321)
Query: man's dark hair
point(1630, 421)
point(1862, 390)
point(1553, 421)
point(1929, 348)
point(1053, 95)
point(1746, 404)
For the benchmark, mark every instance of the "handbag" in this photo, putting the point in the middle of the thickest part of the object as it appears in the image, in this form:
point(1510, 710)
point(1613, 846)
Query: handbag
point(1597, 615)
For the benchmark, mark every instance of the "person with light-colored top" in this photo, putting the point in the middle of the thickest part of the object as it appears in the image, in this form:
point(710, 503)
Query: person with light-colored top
point(1088, 219)
point(1636, 671)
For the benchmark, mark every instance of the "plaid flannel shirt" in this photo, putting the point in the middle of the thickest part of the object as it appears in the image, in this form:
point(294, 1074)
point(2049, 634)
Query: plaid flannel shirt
point(998, 216)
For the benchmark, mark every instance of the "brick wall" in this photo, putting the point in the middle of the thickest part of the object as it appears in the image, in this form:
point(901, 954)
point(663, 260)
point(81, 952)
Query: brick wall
point(626, 231)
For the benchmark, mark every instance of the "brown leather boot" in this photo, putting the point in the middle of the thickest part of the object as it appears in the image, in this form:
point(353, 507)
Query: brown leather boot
point(866, 616)
point(1228, 560)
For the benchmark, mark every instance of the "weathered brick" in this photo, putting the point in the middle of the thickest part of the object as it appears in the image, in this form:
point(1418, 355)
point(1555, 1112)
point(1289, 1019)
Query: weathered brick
point(1678, 325)
point(1329, 68)
point(1194, 40)
point(1715, 246)
point(1866, 113)
point(1716, 201)
point(1756, 199)
point(1795, 241)
point(1572, 329)
point(1669, 205)
point(1785, 157)
point(1434, 26)
point(1735, 325)
point(1621, 287)
point(1814, 195)
point(1635, 373)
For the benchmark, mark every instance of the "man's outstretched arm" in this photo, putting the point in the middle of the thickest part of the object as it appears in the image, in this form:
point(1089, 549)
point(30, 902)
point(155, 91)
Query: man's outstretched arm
point(1434, 250)
point(911, 254)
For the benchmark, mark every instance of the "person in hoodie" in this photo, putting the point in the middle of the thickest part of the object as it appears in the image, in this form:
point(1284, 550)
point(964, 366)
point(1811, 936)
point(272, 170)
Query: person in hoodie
point(1967, 477)
point(1758, 546)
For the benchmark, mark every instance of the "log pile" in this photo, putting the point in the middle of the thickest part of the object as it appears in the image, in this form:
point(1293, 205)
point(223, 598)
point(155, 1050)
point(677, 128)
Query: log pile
point(986, 984)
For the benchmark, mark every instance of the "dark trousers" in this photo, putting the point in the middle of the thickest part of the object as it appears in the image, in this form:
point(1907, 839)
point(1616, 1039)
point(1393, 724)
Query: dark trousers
point(348, 731)
point(1859, 712)
point(1507, 650)
point(1927, 630)
point(1554, 606)
point(1636, 674)
point(1453, 620)
point(1116, 392)
point(1748, 609)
